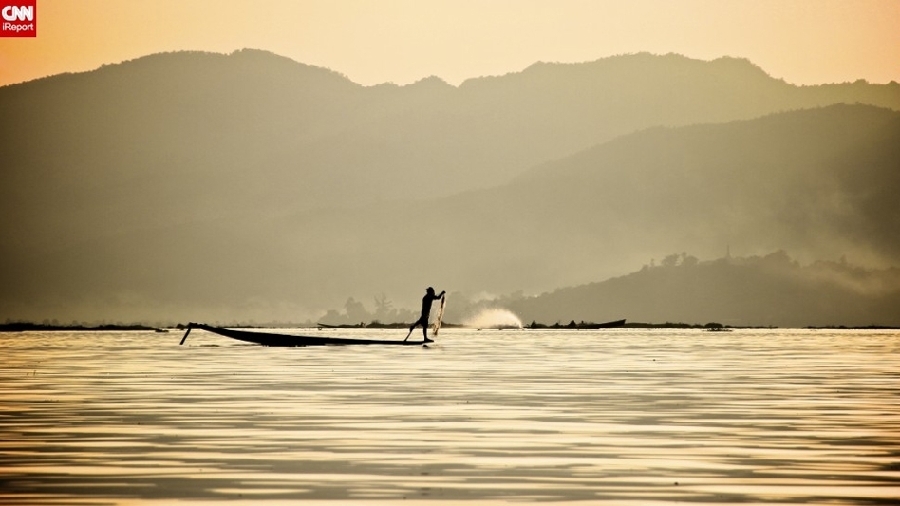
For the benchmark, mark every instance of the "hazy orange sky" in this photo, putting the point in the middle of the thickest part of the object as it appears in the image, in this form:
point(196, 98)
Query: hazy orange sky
point(402, 41)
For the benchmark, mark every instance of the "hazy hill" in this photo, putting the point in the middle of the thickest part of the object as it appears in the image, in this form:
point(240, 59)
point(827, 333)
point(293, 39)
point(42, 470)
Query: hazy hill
point(758, 291)
point(819, 183)
point(252, 133)
point(194, 184)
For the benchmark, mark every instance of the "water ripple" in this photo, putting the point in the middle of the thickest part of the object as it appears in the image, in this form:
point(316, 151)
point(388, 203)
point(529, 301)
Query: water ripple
point(613, 416)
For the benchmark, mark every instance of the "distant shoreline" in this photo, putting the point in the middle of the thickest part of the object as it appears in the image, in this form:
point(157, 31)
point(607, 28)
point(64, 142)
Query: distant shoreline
point(26, 327)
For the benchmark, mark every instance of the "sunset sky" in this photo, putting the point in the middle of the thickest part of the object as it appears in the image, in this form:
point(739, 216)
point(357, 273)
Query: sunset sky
point(402, 41)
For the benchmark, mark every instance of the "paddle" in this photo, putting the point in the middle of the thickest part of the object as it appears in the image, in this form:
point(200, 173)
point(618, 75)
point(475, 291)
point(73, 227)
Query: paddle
point(189, 327)
point(440, 315)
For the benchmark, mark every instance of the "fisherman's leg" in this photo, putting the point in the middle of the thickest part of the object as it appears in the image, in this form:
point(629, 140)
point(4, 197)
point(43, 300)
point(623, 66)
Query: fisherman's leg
point(412, 327)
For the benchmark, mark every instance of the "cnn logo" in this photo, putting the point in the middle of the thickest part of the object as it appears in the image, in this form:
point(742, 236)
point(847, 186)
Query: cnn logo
point(20, 13)
point(18, 18)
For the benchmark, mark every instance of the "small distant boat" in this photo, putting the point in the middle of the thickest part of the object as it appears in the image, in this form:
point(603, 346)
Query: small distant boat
point(579, 326)
point(344, 326)
point(290, 340)
point(606, 325)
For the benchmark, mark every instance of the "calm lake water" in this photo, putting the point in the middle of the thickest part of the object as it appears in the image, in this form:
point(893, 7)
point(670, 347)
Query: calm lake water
point(487, 417)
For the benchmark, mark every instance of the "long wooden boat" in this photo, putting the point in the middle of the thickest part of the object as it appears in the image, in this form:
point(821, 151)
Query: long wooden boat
point(288, 340)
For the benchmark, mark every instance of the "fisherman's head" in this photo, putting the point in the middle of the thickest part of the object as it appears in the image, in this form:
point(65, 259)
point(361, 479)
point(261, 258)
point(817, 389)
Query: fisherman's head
point(430, 290)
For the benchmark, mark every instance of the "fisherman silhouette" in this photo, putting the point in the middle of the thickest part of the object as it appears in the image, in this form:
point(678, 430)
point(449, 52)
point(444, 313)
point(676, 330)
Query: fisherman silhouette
point(426, 310)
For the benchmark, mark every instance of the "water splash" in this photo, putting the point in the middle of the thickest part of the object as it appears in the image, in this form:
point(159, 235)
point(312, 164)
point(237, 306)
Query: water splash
point(494, 319)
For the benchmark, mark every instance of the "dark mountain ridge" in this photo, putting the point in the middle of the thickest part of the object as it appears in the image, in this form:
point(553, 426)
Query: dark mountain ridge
point(255, 134)
point(253, 182)
point(820, 183)
point(769, 290)
point(817, 181)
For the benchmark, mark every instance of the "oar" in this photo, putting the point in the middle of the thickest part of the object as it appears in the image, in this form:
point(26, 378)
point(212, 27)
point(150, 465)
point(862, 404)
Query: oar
point(190, 326)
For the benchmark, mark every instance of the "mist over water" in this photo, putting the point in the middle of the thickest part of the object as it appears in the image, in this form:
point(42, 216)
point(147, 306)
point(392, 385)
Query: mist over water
point(494, 318)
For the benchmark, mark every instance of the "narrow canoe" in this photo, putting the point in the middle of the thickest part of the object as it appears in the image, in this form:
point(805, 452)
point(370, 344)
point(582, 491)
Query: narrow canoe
point(286, 340)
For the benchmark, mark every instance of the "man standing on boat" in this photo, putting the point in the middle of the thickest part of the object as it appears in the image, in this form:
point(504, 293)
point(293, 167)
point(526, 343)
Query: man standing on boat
point(426, 311)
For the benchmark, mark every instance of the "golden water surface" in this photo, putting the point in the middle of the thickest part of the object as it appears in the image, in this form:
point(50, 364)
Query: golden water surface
point(488, 417)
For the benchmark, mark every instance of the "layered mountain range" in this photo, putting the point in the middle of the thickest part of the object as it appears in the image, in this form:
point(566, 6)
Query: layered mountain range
point(249, 186)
